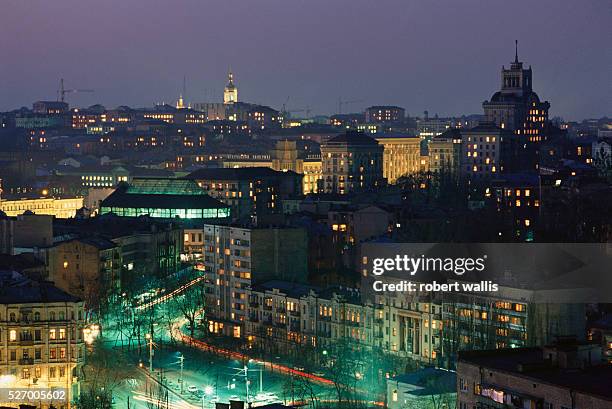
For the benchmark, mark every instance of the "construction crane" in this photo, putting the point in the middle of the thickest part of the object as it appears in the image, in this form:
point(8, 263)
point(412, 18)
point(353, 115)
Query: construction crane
point(61, 92)
point(342, 103)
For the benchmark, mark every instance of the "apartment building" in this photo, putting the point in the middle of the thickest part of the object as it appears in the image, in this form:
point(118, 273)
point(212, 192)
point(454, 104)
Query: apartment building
point(249, 191)
point(235, 258)
point(444, 152)
point(41, 338)
point(563, 375)
point(301, 315)
point(351, 162)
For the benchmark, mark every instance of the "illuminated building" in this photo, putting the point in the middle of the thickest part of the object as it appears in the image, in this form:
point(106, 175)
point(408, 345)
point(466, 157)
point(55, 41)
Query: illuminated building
point(230, 94)
point(58, 207)
point(163, 198)
point(485, 148)
point(370, 129)
point(566, 374)
point(401, 156)
point(39, 121)
point(384, 113)
point(285, 157)
point(49, 107)
point(313, 174)
point(82, 118)
point(162, 112)
point(516, 197)
point(347, 120)
point(515, 106)
point(444, 152)
point(180, 103)
point(234, 258)
point(42, 338)
point(351, 162)
point(429, 127)
point(249, 191)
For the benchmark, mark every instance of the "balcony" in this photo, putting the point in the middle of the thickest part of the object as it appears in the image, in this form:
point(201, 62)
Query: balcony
point(295, 313)
point(254, 304)
point(26, 361)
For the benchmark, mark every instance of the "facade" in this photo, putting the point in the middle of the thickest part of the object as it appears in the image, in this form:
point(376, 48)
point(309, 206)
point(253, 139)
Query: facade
point(148, 247)
point(401, 156)
point(384, 113)
point(39, 121)
point(165, 199)
point(484, 149)
point(313, 174)
point(285, 157)
point(445, 152)
point(58, 207)
point(516, 106)
point(248, 191)
point(27, 230)
point(564, 375)
point(297, 316)
point(50, 107)
point(41, 338)
point(235, 258)
point(351, 162)
point(88, 268)
point(516, 197)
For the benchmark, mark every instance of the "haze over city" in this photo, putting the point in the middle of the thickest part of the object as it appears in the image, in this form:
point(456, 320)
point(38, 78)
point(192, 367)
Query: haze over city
point(441, 56)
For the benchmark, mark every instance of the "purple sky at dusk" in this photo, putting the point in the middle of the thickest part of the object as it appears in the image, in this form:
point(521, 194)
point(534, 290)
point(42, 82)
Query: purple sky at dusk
point(443, 56)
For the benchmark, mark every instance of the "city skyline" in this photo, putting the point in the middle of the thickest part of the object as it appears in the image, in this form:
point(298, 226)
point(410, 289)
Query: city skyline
point(147, 65)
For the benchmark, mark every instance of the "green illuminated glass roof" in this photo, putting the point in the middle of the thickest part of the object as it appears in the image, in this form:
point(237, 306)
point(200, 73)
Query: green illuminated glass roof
point(153, 186)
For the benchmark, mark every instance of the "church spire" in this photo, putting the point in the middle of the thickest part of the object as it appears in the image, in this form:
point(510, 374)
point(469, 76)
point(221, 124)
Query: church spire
point(230, 78)
point(230, 95)
point(516, 52)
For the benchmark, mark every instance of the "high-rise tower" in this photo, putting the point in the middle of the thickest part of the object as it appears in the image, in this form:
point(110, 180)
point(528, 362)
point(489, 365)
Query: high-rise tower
point(515, 106)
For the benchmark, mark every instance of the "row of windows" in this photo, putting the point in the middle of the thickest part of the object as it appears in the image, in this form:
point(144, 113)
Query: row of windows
point(37, 316)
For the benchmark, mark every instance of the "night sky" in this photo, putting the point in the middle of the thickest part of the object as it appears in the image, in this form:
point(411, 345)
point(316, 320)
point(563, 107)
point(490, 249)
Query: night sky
point(443, 56)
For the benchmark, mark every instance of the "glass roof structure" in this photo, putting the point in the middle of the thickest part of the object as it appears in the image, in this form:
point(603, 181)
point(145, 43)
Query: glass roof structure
point(164, 198)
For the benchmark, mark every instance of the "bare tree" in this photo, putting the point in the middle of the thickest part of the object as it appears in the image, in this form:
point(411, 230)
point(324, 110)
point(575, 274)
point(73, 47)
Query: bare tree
point(190, 304)
point(105, 370)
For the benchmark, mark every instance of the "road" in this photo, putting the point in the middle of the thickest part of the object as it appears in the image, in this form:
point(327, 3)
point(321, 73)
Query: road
point(213, 371)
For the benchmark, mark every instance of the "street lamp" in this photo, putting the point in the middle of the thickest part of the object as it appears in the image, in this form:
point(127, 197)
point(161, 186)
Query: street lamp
point(181, 361)
point(149, 337)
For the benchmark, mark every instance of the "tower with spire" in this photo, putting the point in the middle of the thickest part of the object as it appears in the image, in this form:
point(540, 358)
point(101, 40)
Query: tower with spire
point(180, 104)
point(516, 106)
point(230, 94)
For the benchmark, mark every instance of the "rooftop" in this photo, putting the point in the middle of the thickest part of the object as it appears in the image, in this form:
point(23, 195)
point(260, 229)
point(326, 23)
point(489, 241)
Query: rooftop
point(352, 138)
point(530, 363)
point(235, 173)
point(16, 289)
